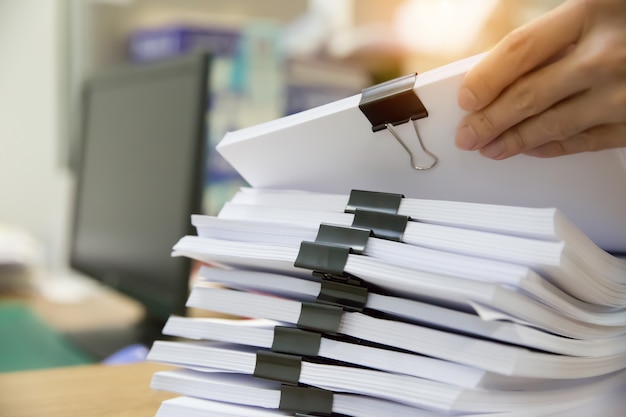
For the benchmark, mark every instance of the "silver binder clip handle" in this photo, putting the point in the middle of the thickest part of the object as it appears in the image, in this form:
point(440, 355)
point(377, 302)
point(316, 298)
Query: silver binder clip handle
point(414, 163)
point(393, 103)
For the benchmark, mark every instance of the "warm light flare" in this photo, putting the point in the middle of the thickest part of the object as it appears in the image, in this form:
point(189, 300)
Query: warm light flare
point(441, 26)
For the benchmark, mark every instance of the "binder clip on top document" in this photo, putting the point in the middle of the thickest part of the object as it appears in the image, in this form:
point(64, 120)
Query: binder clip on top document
point(394, 102)
point(345, 145)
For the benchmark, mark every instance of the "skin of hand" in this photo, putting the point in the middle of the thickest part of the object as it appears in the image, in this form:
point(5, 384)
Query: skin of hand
point(555, 86)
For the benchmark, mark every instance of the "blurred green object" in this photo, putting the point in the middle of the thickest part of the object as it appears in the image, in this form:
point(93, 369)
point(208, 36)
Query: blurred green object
point(28, 343)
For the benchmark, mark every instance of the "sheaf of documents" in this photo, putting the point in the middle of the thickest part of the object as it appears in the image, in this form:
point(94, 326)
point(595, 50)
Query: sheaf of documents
point(332, 149)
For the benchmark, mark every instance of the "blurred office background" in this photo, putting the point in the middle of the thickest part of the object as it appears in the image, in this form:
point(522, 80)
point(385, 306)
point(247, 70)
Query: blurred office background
point(270, 58)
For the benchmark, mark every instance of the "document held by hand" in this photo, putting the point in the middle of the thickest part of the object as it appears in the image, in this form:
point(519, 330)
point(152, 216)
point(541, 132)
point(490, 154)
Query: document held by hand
point(334, 149)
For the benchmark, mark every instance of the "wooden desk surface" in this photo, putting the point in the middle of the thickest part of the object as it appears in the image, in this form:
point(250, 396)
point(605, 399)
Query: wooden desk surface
point(85, 391)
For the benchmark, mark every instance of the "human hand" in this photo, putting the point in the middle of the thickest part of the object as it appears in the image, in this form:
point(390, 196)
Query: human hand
point(553, 87)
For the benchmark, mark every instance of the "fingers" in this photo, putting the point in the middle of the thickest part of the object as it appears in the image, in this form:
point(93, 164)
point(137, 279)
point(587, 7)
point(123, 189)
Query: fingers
point(556, 86)
point(594, 139)
point(559, 123)
point(521, 51)
point(527, 97)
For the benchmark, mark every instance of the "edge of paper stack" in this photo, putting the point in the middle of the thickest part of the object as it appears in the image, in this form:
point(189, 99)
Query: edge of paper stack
point(376, 305)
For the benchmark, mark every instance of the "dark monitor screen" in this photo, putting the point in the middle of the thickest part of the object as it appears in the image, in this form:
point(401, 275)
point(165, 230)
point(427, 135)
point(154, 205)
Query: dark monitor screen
point(140, 178)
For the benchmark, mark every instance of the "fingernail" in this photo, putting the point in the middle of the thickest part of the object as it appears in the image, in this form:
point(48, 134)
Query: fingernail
point(467, 99)
point(494, 150)
point(466, 138)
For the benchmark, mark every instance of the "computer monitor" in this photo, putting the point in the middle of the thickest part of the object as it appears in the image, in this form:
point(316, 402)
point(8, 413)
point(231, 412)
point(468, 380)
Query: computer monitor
point(139, 178)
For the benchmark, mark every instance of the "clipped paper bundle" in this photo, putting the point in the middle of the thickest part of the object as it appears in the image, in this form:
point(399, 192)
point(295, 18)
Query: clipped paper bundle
point(375, 304)
point(448, 289)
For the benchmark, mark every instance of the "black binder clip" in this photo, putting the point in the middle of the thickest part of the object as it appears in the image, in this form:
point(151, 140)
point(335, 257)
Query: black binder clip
point(322, 318)
point(329, 253)
point(296, 341)
point(327, 258)
point(279, 367)
point(322, 257)
point(286, 369)
point(343, 291)
point(373, 201)
point(393, 103)
point(352, 238)
point(383, 225)
point(309, 400)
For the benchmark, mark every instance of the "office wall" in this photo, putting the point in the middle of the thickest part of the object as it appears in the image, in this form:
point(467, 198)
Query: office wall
point(33, 188)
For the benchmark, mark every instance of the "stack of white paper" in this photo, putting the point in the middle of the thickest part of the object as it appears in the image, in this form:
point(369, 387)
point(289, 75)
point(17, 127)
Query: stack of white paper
point(503, 303)
point(458, 319)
